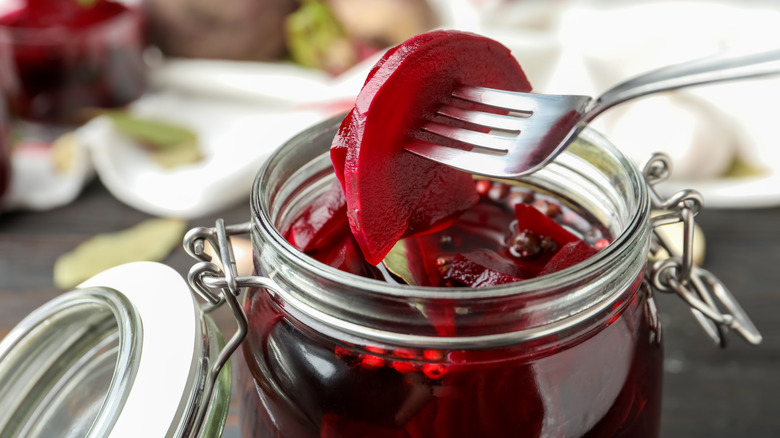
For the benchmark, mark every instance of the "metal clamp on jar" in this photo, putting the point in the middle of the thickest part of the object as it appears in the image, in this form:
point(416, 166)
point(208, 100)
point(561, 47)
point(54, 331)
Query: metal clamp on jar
point(677, 273)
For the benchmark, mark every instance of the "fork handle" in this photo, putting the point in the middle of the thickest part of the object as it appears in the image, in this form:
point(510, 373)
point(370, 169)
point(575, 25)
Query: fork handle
point(697, 72)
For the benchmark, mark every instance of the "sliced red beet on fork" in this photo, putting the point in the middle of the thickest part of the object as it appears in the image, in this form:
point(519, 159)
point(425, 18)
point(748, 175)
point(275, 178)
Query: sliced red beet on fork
point(390, 192)
point(338, 150)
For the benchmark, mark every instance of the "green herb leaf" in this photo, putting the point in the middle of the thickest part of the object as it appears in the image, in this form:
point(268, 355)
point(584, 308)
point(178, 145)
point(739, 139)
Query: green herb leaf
point(170, 145)
point(397, 262)
point(184, 153)
point(150, 240)
point(316, 39)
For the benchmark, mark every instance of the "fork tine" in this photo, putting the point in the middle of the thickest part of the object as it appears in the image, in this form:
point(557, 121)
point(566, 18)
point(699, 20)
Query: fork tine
point(488, 120)
point(491, 142)
point(482, 164)
point(523, 103)
point(536, 127)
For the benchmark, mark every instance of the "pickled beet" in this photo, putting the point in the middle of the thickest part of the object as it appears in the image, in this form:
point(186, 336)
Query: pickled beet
point(531, 218)
point(390, 192)
point(571, 254)
point(486, 245)
point(476, 250)
point(317, 226)
point(481, 269)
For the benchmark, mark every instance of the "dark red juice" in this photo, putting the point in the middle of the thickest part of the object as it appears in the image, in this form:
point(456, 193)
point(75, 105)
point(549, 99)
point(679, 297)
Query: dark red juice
point(600, 382)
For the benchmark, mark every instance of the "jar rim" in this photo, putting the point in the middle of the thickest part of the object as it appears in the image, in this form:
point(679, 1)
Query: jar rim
point(638, 220)
point(626, 256)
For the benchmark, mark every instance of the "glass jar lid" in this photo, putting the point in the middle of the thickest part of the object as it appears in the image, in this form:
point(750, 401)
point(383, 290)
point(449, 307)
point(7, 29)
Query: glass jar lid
point(120, 355)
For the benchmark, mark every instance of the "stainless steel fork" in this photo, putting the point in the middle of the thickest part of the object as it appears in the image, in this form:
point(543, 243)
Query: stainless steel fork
point(533, 129)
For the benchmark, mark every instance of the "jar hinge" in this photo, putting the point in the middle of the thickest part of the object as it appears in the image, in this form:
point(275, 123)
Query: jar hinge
point(219, 284)
point(702, 290)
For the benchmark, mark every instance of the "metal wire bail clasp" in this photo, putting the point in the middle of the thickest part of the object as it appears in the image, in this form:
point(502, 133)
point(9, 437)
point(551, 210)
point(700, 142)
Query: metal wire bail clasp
point(219, 284)
point(702, 290)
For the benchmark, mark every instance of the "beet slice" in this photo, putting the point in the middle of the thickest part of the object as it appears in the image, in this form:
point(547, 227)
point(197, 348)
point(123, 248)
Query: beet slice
point(530, 218)
point(571, 254)
point(390, 192)
point(482, 269)
point(338, 150)
point(322, 232)
point(319, 224)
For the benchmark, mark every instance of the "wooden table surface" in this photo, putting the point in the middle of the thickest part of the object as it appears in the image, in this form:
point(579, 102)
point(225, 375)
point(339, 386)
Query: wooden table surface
point(708, 392)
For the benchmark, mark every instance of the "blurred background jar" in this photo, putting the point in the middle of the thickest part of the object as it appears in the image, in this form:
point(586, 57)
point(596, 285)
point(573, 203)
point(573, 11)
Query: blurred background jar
point(67, 56)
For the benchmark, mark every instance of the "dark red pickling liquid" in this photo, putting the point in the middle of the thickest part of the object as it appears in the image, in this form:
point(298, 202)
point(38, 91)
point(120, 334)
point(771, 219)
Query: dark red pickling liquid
point(68, 56)
point(513, 233)
point(296, 383)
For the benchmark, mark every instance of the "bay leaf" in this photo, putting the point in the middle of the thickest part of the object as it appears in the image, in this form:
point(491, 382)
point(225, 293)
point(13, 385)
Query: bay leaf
point(397, 262)
point(150, 240)
point(170, 145)
point(183, 154)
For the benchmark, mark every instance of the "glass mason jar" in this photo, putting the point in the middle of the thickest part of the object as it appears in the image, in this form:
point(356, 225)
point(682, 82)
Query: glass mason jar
point(574, 353)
